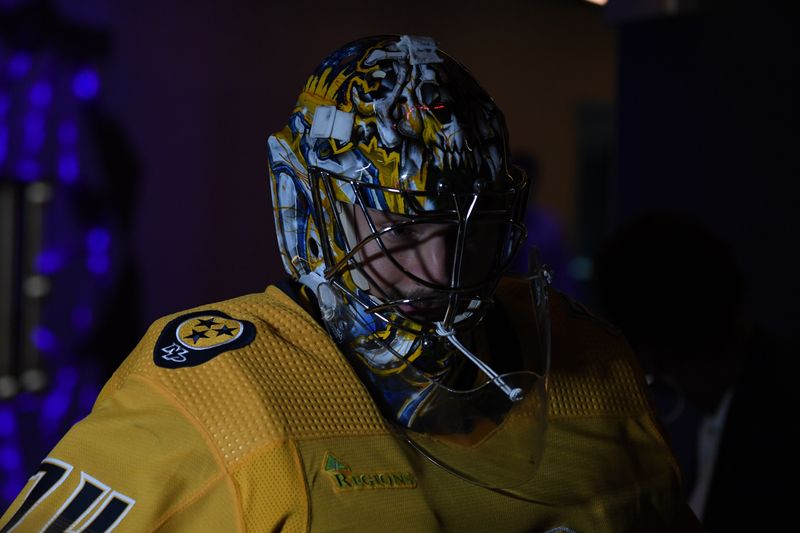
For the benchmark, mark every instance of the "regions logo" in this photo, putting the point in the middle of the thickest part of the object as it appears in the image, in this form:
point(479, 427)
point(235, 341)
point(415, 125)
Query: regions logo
point(195, 338)
point(344, 478)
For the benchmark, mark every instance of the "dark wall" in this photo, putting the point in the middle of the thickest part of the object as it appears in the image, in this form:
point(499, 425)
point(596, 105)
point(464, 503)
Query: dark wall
point(708, 126)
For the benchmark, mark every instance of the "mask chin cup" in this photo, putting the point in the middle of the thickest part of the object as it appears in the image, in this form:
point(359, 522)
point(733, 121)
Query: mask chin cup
point(482, 436)
point(489, 430)
point(514, 394)
point(331, 306)
point(493, 434)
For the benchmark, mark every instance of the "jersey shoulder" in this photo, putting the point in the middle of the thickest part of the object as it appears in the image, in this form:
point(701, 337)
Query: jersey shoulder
point(593, 370)
point(252, 370)
point(187, 426)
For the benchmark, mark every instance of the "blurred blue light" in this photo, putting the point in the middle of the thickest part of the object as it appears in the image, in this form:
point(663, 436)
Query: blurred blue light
point(67, 132)
point(98, 264)
point(98, 239)
point(28, 169)
point(8, 422)
point(56, 405)
point(12, 486)
point(19, 65)
point(43, 339)
point(54, 408)
point(27, 402)
point(10, 458)
point(86, 398)
point(49, 261)
point(5, 103)
point(82, 317)
point(3, 142)
point(66, 378)
point(34, 130)
point(86, 84)
point(68, 169)
point(41, 93)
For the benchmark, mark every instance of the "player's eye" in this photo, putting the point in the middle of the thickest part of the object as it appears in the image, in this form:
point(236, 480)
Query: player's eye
point(399, 233)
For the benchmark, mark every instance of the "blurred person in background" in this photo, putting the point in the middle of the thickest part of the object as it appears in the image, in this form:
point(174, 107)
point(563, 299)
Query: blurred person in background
point(677, 293)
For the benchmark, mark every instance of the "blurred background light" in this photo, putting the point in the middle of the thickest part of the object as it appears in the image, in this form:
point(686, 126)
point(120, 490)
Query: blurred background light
point(41, 93)
point(49, 261)
point(67, 132)
point(82, 317)
point(58, 402)
point(68, 168)
point(28, 170)
point(3, 143)
point(34, 130)
point(5, 103)
point(19, 65)
point(43, 339)
point(98, 240)
point(98, 264)
point(86, 84)
point(8, 423)
point(10, 458)
point(87, 396)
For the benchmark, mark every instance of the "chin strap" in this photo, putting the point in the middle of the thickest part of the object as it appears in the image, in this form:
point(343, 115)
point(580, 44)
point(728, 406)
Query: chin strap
point(328, 306)
point(324, 293)
point(514, 394)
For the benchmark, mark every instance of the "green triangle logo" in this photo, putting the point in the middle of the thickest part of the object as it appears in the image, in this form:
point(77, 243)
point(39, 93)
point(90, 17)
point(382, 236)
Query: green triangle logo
point(332, 464)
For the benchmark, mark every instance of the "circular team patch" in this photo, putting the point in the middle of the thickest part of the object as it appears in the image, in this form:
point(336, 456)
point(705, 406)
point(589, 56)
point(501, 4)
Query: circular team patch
point(195, 338)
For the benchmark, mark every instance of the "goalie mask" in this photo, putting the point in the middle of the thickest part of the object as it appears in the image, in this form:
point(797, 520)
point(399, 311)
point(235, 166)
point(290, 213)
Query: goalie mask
point(395, 205)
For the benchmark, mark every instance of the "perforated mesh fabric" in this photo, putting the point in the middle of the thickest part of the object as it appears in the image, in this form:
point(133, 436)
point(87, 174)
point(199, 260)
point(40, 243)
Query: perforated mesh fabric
point(593, 372)
point(588, 395)
point(291, 382)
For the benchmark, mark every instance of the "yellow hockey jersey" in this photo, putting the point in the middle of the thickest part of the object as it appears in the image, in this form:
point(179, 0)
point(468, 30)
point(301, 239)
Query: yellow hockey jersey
point(263, 426)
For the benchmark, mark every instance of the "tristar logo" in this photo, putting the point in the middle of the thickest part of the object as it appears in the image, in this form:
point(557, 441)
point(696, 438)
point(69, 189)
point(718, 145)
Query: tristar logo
point(344, 478)
point(195, 338)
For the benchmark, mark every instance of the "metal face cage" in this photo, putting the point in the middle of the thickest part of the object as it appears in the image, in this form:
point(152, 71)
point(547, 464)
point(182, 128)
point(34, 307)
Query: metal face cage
point(480, 227)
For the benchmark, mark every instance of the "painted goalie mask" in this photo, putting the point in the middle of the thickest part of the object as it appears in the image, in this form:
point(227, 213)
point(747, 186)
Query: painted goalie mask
point(395, 205)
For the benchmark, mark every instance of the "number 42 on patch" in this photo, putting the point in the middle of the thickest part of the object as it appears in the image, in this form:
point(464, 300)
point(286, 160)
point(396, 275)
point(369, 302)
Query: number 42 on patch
point(92, 506)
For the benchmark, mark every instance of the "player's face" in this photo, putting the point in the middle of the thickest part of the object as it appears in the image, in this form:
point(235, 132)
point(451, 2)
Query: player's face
point(425, 251)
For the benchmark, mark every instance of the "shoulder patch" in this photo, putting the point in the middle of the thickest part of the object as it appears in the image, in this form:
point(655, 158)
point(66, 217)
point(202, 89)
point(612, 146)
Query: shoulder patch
point(196, 338)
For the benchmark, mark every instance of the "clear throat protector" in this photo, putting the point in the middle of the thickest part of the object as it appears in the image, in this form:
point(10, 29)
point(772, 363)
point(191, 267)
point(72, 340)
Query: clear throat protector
point(457, 364)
